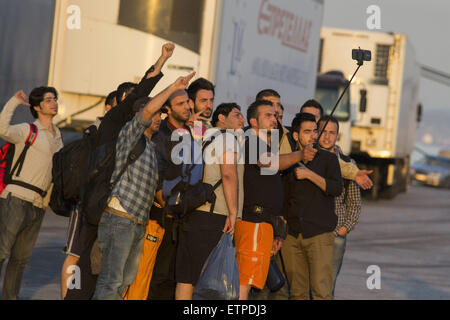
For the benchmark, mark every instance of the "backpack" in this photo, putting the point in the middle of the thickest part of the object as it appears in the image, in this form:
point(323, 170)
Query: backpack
point(6, 160)
point(186, 192)
point(98, 186)
point(69, 171)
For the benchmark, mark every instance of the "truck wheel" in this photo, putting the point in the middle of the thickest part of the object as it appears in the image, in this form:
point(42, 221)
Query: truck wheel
point(403, 175)
point(376, 183)
point(389, 192)
point(446, 183)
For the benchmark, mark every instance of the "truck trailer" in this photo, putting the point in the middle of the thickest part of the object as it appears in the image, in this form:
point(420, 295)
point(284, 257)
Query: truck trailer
point(242, 46)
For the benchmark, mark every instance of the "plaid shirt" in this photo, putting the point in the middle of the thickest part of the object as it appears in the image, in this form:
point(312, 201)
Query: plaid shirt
point(136, 188)
point(348, 212)
point(348, 208)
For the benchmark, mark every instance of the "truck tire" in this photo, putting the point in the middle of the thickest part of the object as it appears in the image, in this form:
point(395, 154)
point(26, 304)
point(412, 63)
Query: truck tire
point(403, 175)
point(389, 192)
point(376, 183)
point(446, 183)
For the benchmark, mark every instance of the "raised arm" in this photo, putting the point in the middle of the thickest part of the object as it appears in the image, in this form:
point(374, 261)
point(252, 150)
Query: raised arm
point(158, 101)
point(13, 133)
point(167, 51)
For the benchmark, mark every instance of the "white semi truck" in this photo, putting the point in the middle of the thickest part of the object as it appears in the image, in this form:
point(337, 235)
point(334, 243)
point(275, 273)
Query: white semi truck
point(381, 112)
point(243, 46)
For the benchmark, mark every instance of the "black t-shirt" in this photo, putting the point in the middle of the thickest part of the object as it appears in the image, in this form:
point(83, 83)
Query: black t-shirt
point(263, 193)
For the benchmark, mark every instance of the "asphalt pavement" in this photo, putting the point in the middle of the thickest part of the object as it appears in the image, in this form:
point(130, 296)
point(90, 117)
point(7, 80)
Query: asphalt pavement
point(399, 250)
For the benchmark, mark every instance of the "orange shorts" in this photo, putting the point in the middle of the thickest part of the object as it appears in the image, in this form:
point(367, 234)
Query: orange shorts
point(253, 243)
point(138, 290)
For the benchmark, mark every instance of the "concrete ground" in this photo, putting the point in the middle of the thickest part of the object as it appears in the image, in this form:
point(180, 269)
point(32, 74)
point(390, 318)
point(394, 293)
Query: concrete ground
point(408, 238)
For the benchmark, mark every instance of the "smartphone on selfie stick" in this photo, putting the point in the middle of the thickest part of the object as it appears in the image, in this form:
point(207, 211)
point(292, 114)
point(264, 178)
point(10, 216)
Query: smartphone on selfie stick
point(360, 56)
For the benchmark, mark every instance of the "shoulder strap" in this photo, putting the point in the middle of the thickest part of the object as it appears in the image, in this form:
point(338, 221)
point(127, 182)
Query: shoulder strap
point(285, 273)
point(204, 146)
point(28, 143)
point(33, 134)
point(132, 157)
point(4, 149)
point(219, 182)
point(25, 185)
point(213, 204)
point(20, 161)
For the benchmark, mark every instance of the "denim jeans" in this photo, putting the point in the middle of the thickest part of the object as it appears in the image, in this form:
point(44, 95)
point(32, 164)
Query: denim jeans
point(338, 255)
point(121, 242)
point(20, 223)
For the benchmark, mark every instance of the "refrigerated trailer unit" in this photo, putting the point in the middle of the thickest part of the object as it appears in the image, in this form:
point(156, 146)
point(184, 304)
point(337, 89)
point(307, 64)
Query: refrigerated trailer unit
point(384, 100)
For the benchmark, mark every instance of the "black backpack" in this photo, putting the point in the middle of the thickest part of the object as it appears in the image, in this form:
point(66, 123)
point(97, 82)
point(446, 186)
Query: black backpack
point(98, 186)
point(69, 171)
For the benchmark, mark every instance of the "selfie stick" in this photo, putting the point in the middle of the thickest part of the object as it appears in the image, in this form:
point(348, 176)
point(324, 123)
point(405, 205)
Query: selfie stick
point(360, 63)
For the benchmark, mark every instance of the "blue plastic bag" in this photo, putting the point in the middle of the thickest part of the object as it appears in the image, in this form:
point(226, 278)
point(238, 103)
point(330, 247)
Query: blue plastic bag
point(219, 279)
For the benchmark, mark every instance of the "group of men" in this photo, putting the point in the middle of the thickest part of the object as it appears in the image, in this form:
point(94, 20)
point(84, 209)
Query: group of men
point(141, 250)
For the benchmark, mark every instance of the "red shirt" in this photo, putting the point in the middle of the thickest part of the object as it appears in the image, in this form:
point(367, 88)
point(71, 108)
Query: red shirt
point(175, 128)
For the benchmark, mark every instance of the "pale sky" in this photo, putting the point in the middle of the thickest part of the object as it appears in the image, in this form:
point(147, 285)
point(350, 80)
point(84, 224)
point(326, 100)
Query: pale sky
point(427, 24)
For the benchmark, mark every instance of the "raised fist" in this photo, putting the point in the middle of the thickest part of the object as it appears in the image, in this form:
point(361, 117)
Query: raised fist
point(22, 97)
point(167, 50)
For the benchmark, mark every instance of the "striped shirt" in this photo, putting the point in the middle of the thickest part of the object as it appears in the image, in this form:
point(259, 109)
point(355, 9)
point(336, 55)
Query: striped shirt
point(136, 188)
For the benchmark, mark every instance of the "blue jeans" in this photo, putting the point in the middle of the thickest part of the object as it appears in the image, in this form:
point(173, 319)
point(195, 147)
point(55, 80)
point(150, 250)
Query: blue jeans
point(120, 241)
point(20, 223)
point(338, 256)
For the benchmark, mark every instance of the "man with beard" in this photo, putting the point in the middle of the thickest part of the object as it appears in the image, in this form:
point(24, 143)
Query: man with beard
point(349, 170)
point(201, 99)
point(122, 226)
point(84, 234)
point(273, 96)
point(262, 230)
point(310, 196)
point(162, 284)
point(348, 204)
point(204, 227)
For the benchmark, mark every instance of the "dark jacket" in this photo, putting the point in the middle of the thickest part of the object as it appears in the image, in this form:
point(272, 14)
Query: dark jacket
point(310, 211)
point(118, 116)
point(166, 168)
point(164, 145)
